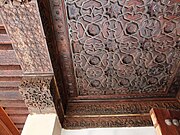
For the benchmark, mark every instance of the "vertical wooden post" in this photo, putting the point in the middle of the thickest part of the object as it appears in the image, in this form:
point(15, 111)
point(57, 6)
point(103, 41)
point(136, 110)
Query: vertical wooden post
point(159, 116)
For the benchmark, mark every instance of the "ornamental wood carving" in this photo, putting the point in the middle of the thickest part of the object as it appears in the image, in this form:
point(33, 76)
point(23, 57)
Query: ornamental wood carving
point(36, 94)
point(23, 25)
point(101, 49)
point(124, 47)
point(117, 107)
point(86, 122)
point(13, 2)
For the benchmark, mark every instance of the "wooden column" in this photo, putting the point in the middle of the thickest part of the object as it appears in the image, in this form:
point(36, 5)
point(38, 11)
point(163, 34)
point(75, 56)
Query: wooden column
point(165, 121)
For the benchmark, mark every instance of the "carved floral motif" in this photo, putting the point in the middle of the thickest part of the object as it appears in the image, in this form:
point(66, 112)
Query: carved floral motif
point(36, 93)
point(85, 122)
point(109, 108)
point(124, 47)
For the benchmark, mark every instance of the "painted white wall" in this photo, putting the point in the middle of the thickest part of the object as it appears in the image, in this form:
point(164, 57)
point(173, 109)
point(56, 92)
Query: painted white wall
point(112, 131)
point(42, 124)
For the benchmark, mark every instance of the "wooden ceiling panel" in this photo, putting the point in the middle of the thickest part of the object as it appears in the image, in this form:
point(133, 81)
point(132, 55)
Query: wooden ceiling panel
point(117, 59)
point(124, 47)
point(112, 60)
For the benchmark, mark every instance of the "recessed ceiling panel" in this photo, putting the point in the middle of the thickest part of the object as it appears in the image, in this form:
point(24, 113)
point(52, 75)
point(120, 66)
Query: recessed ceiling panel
point(124, 47)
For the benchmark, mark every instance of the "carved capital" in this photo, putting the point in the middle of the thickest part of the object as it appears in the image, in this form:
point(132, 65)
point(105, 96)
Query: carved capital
point(36, 93)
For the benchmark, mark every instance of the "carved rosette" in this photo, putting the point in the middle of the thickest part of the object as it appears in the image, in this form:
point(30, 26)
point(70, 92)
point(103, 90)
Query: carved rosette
point(36, 93)
point(24, 27)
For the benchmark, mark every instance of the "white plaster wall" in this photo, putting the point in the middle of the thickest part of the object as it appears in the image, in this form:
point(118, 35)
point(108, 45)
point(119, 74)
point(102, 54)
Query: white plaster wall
point(42, 124)
point(111, 131)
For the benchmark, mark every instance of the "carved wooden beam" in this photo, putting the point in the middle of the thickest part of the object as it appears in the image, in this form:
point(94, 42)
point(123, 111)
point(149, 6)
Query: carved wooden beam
point(116, 121)
point(119, 107)
point(113, 113)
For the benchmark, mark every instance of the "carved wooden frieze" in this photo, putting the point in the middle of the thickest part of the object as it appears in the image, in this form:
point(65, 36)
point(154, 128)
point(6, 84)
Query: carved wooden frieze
point(117, 107)
point(23, 25)
point(36, 93)
point(95, 122)
point(124, 47)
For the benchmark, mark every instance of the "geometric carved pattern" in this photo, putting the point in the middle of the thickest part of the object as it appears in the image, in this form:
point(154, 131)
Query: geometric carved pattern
point(124, 47)
point(36, 93)
point(94, 122)
point(23, 25)
point(115, 108)
point(113, 113)
point(13, 2)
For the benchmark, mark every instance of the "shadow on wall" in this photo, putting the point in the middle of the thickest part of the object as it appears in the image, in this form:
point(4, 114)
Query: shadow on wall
point(112, 131)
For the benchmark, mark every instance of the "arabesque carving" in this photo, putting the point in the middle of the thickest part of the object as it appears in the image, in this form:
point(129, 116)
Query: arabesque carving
point(115, 107)
point(124, 47)
point(95, 122)
point(36, 94)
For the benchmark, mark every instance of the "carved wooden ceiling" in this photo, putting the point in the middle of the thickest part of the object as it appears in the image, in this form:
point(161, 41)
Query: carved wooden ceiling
point(123, 49)
point(112, 60)
point(119, 59)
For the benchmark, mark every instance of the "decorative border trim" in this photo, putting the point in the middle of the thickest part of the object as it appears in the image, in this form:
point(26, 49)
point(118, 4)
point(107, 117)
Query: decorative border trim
point(119, 107)
point(99, 122)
